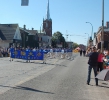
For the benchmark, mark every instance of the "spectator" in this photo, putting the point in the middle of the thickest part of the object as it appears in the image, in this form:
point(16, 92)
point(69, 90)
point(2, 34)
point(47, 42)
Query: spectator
point(100, 61)
point(84, 52)
point(81, 52)
point(106, 60)
point(92, 64)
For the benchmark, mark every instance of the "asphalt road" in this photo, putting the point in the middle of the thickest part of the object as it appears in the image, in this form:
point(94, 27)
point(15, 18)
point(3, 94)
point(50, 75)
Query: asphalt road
point(56, 80)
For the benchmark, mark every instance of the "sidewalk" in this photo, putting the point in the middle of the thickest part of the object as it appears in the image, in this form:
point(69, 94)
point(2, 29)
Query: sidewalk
point(100, 92)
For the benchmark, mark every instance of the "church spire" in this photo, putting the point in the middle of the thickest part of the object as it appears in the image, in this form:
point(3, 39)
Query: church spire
point(48, 12)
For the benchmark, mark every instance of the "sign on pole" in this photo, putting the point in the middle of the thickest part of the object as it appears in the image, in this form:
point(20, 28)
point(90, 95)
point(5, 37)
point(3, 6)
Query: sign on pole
point(24, 2)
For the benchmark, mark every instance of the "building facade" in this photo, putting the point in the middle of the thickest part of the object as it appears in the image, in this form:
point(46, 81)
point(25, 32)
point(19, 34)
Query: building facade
point(97, 39)
point(9, 33)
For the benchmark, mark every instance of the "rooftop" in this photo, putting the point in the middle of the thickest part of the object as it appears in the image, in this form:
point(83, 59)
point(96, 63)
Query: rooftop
point(7, 31)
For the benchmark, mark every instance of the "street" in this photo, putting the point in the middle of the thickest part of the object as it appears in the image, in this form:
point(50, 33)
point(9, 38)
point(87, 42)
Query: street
point(57, 80)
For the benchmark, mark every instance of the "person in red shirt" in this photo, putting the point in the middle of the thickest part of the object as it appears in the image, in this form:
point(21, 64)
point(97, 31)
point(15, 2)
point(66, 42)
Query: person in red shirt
point(100, 61)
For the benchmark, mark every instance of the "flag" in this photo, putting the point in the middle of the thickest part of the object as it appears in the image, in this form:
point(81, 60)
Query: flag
point(24, 2)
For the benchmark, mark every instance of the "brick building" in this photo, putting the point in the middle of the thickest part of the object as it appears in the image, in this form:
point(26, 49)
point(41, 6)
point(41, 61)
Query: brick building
point(97, 39)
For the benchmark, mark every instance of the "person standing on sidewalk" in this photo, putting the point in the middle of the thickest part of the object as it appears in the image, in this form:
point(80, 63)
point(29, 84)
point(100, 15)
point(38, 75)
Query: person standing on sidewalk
point(100, 61)
point(93, 60)
point(84, 52)
point(106, 60)
point(81, 52)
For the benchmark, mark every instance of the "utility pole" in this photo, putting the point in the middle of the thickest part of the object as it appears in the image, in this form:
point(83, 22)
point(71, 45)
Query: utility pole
point(102, 33)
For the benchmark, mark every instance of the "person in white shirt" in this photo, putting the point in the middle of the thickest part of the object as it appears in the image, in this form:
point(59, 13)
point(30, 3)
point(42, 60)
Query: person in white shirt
point(105, 52)
point(51, 53)
point(62, 53)
point(56, 53)
point(34, 49)
point(51, 50)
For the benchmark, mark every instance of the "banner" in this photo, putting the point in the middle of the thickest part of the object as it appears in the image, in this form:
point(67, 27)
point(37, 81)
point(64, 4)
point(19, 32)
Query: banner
point(27, 55)
point(33, 55)
point(24, 2)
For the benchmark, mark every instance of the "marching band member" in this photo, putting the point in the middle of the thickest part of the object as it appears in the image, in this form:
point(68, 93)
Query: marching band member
point(59, 53)
point(69, 53)
point(27, 49)
point(45, 55)
point(56, 52)
point(62, 54)
point(51, 53)
point(10, 50)
point(66, 53)
point(34, 49)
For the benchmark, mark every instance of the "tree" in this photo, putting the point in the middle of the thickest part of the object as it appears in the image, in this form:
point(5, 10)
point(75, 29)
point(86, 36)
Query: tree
point(58, 38)
point(75, 45)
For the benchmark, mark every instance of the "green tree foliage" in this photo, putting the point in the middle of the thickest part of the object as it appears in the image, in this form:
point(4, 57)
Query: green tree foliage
point(75, 45)
point(58, 38)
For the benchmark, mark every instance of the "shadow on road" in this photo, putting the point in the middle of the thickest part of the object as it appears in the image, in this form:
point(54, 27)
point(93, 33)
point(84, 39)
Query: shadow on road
point(41, 63)
point(26, 88)
point(103, 86)
point(50, 64)
point(100, 86)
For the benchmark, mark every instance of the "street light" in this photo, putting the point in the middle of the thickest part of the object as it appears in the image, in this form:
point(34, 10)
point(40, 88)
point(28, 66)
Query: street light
point(102, 34)
point(92, 28)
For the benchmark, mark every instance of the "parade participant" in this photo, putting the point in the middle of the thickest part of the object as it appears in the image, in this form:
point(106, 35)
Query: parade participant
point(45, 52)
point(55, 51)
point(66, 53)
point(51, 53)
point(93, 64)
point(48, 54)
point(11, 49)
point(34, 49)
point(62, 54)
point(69, 53)
point(27, 50)
point(59, 52)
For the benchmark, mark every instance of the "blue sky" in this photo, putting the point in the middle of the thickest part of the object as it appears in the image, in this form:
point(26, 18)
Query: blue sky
point(68, 16)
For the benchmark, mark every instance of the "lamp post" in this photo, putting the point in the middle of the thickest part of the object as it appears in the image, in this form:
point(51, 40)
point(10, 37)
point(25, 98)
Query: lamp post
point(92, 28)
point(102, 33)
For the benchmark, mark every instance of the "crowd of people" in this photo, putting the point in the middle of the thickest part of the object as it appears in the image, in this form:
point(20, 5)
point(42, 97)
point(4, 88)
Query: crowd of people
point(82, 52)
point(4, 52)
point(48, 52)
point(98, 61)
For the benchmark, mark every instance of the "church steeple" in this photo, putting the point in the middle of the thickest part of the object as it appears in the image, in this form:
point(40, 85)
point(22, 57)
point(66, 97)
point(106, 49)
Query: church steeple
point(47, 22)
point(48, 12)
